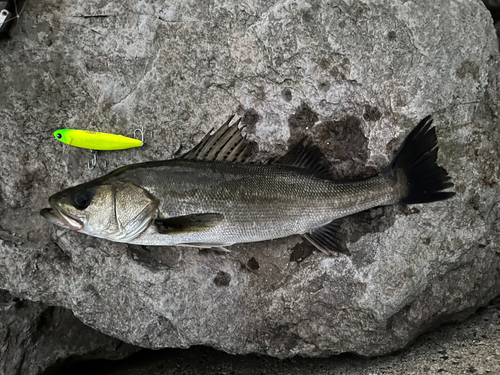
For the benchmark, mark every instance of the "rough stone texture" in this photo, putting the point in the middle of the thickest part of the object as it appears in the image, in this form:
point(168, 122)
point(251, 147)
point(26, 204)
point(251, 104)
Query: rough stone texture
point(34, 337)
point(354, 76)
point(470, 347)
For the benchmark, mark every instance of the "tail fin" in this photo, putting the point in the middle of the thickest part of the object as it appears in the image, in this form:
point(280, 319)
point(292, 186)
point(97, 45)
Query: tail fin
point(417, 158)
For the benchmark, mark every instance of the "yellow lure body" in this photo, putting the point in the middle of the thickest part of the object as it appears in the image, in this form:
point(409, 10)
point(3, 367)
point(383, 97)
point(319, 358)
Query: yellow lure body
point(95, 140)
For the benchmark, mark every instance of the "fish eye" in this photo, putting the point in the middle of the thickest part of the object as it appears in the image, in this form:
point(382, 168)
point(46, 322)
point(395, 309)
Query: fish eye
point(59, 136)
point(82, 200)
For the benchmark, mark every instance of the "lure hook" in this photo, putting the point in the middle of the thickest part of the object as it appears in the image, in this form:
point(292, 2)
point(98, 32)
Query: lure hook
point(141, 131)
point(93, 163)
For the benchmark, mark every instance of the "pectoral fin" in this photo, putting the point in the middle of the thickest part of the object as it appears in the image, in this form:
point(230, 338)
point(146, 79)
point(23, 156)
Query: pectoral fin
point(188, 223)
point(326, 238)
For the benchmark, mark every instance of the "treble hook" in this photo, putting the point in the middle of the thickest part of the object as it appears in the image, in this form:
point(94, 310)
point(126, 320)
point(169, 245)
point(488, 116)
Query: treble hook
point(93, 163)
point(141, 130)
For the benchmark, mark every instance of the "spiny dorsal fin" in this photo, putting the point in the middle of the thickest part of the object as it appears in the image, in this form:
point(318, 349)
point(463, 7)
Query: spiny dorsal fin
point(226, 144)
point(326, 238)
point(188, 223)
point(308, 156)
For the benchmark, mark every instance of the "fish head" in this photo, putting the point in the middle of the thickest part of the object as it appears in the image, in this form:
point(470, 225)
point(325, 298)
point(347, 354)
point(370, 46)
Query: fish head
point(115, 211)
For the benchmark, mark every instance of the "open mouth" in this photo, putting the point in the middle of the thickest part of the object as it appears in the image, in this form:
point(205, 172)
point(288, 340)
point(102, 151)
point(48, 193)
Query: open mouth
point(62, 219)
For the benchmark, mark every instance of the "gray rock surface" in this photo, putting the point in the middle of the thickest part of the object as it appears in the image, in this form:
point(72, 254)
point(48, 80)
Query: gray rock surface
point(471, 347)
point(34, 337)
point(355, 77)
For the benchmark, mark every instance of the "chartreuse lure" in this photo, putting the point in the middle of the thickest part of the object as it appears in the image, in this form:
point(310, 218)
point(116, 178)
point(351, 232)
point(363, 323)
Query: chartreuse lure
point(96, 140)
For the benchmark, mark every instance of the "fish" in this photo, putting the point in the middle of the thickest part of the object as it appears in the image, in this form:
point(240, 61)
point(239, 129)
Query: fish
point(213, 197)
point(96, 140)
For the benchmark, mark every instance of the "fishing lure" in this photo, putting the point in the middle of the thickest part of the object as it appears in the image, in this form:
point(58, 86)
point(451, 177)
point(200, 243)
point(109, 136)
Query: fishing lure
point(96, 140)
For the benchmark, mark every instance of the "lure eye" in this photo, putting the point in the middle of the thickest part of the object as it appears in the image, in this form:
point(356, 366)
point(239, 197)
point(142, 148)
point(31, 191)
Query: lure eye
point(82, 200)
point(59, 136)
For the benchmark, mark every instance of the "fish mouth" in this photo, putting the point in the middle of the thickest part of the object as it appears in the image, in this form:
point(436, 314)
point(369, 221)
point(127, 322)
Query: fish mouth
point(58, 217)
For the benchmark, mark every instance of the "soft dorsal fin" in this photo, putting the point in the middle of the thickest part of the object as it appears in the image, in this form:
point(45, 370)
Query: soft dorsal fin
point(326, 238)
point(226, 144)
point(308, 156)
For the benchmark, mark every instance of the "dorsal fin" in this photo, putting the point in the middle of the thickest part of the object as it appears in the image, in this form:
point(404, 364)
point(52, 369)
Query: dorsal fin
point(226, 144)
point(308, 156)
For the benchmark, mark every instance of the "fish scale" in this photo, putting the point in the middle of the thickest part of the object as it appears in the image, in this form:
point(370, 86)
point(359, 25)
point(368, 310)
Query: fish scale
point(258, 201)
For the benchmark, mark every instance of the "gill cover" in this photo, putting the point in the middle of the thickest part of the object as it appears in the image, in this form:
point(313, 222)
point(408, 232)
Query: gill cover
point(132, 211)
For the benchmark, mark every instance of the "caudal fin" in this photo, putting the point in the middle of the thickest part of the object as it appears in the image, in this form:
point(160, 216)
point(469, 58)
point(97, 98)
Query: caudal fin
point(417, 158)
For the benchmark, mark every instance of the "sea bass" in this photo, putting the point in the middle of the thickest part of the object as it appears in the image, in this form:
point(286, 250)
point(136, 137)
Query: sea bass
point(212, 198)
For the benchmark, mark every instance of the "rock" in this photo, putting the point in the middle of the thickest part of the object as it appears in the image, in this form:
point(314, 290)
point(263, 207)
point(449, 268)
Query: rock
point(34, 336)
point(354, 77)
point(452, 349)
point(497, 28)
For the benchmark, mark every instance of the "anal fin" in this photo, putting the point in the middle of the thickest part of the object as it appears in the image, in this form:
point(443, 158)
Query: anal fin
point(326, 238)
point(188, 223)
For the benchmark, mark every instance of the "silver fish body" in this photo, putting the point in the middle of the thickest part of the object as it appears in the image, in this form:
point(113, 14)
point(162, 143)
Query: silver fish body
point(257, 201)
point(211, 202)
